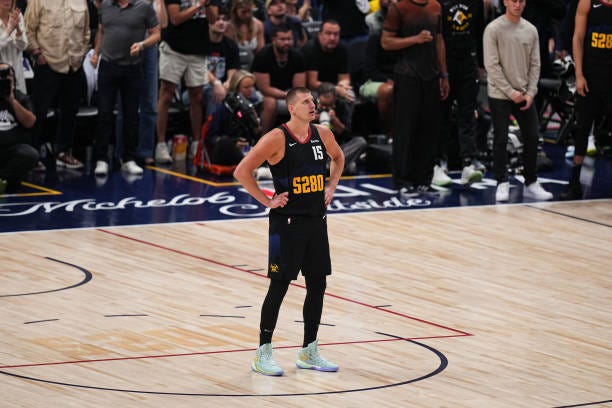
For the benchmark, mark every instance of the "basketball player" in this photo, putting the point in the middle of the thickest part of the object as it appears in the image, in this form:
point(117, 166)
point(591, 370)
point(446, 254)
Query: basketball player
point(592, 49)
point(296, 153)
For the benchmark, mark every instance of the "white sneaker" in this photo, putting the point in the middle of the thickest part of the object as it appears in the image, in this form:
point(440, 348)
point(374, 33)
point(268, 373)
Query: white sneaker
point(193, 149)
point(263, 173)
point(131, 167)
point(536, 192)
point(440, 178)
point(503, 191)
point(162, 155)
point(470, 175)
point(101, 168)
point(591, 147)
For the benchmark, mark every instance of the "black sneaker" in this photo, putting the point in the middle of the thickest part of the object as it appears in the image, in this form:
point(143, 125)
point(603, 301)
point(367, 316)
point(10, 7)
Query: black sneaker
point(426, 189)
point(572, 192)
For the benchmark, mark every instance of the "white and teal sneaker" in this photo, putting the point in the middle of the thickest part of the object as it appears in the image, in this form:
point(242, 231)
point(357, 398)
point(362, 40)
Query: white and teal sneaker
point(264, 363)
point(310, 358)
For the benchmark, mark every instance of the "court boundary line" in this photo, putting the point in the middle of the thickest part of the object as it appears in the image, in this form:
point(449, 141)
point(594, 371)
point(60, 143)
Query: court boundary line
point(261, 275)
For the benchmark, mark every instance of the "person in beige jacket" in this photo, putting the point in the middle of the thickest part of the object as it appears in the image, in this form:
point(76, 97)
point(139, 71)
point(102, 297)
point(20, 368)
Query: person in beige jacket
point(58, 34)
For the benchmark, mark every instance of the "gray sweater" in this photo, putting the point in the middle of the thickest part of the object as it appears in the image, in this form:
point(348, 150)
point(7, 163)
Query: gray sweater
point(511, 57)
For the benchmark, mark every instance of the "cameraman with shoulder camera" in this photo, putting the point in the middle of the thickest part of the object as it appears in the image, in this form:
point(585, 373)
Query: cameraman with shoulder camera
point(17, 157)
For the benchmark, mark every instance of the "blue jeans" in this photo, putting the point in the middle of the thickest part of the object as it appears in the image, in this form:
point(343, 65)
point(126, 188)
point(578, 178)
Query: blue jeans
point(148, 102)
point(125, 80)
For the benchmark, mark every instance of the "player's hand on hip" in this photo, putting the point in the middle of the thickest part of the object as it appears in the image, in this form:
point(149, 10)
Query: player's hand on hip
point(279, 200)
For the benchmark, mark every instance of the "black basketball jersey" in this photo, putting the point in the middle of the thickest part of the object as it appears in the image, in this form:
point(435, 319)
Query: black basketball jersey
point(301, 172)
point(598, 38)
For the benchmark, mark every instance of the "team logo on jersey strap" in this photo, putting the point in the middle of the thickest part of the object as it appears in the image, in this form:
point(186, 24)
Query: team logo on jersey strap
point(274, 268)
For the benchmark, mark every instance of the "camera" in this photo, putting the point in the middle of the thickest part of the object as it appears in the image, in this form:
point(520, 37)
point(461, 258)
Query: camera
point(242, 109)
point(324, 118)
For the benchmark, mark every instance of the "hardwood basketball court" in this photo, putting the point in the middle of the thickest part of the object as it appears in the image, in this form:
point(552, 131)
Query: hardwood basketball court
point(493, 306)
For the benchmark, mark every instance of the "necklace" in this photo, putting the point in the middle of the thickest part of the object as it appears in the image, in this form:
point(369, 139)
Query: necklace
point(281, 64)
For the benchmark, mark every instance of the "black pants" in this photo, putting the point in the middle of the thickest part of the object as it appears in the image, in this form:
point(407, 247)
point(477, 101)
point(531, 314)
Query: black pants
point(463, 77)
point(589, 108)
point(528, 123)
point(65, 89)
point(126, 80)
point(416, 105)
point(15, 163)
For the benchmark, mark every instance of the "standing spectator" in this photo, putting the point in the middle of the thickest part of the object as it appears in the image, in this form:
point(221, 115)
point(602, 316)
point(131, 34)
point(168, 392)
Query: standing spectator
point(120, 42)
point(297, 153)
point(462, 27)
point(247, 30)
point(512, 60)
point(592, 51)
point(17, 156)
point(223, 62)
point(378, 72)
point(58, 36)
point(421, 80)
point(277, 15)
point(277, 68)
point(183, 54)
point(13, 41)
point(148, 97)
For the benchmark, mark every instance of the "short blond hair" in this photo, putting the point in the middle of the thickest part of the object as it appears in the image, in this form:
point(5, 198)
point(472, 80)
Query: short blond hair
point(237, 78)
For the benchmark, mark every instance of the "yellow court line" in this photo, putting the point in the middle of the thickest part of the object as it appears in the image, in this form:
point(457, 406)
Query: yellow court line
point(226, 184)
point(44, 191)
point(196, 179)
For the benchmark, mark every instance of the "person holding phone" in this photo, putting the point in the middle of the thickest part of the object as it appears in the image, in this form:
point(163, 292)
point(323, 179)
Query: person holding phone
point(13, 40)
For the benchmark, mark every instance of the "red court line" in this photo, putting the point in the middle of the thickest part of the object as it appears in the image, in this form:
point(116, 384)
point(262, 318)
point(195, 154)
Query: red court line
point(202, 353)
point(294, 284)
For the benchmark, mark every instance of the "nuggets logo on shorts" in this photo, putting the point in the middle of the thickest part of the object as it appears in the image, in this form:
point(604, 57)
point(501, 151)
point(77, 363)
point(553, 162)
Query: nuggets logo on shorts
point(274, 268)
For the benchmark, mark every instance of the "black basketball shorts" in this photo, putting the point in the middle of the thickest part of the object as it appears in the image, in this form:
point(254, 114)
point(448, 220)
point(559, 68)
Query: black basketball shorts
point(298, 244)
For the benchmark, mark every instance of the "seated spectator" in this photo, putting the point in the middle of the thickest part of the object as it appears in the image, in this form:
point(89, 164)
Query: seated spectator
point(277, 68)
point(277, 14)
point(378, 71)
point(375, 20)
point(350, 14)
point(300, 11)
point(17, 156)
point(327, 61)
point(336, 117)
point(247, 30)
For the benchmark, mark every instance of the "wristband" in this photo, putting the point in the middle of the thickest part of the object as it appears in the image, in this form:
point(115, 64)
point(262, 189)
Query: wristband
point(141, 46)
point(443, 74)
point(217, 82)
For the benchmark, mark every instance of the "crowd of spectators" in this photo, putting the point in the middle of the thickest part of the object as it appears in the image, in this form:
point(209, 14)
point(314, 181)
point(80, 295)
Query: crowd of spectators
point(149, 55)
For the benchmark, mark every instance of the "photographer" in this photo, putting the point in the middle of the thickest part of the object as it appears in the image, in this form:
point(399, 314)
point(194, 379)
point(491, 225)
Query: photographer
point(235, 125)
point(17, 157)
point(335, 117)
